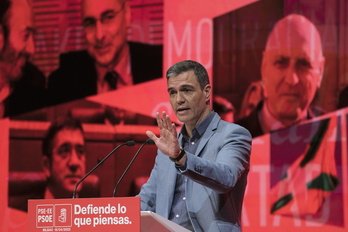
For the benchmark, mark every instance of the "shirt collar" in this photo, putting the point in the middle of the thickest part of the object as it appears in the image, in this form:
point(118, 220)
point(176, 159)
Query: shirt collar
point(123, 68)
point(199, 130)
point(268, 122)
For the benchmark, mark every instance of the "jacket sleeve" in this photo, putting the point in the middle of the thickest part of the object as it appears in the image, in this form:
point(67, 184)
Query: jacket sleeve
point(223, 160)
point(148, 191)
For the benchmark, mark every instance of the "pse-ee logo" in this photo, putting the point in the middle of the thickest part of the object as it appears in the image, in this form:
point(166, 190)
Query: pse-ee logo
point(54, 215)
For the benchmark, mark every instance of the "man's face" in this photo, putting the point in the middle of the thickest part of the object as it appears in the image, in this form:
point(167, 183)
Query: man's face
point(19, 44)
point(68, 160)
point(105, 25)
point(291, 73)
point(188, 101)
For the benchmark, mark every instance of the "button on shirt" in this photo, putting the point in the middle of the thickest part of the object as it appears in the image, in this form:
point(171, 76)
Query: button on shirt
point(179, 212)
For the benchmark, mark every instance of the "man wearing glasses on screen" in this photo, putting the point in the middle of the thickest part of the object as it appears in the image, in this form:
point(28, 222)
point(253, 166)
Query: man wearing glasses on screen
point(110, 61)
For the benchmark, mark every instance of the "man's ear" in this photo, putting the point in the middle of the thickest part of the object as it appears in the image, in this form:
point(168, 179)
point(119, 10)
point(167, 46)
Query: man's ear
point(128, 13)
point(321, 71)
point(263, 75)
point(263, 65)
point(46, 165)
point(1, 38)
point(207, 92)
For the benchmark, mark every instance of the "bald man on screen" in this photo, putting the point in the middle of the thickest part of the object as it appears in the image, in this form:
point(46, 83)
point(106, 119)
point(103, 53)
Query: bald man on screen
point(292, 70)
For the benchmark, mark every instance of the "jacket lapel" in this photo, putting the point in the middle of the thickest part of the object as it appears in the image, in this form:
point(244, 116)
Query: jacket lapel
point(207, 134)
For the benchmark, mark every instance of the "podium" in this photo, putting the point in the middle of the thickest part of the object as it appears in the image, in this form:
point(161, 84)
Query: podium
point(95, 214)
point(151, 221)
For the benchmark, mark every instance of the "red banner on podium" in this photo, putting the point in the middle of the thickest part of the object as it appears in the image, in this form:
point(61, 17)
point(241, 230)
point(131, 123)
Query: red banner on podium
point(84, 214)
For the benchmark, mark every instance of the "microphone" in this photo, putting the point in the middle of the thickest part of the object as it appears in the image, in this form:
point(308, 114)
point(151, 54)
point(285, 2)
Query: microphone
point(148, 141)
point(128, 143)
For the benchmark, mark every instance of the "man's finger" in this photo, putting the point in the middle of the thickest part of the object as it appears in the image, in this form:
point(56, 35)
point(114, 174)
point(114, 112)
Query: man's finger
point(152, 136)
point(167, 121)
point(159, 120)
point(173, 129)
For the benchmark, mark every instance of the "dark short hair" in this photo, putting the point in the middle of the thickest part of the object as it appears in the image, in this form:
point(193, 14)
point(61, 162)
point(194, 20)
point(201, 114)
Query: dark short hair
point(190, 65)
point(4, 15)
point(66, 123)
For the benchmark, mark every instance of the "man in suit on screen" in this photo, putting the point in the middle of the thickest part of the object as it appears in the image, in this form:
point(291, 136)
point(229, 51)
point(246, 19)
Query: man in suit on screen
point(110, 61)
point(292, 70)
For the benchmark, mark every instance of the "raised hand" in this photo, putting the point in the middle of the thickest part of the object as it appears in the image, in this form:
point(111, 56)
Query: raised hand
point(167, 143)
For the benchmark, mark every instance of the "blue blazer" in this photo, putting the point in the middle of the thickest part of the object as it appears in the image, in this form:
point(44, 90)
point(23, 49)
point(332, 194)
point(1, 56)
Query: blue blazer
point(216, 179)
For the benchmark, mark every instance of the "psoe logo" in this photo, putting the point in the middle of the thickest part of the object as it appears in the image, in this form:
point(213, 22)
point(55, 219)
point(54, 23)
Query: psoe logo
point(63, 215)
point(53, 215)
point(44, 216)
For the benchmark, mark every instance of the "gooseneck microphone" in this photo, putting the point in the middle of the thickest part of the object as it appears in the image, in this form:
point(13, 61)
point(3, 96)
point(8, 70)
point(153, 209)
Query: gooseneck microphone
point(128, 143)
point(148, 141)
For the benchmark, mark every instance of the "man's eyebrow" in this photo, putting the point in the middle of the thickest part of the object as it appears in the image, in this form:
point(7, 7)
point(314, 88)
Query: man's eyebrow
point(104, 13)
point(65, 144)
point(303, 59)
point(186, 86)
point(30, 29)
point(88, 18)
point(181, 87)
point(282, 57)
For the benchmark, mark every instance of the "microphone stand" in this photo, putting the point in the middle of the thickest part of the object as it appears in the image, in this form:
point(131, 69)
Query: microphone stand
point(128, 143)
point(148, 141)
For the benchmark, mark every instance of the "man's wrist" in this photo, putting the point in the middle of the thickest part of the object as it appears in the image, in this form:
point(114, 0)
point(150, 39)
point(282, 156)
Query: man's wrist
point(179, 157)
